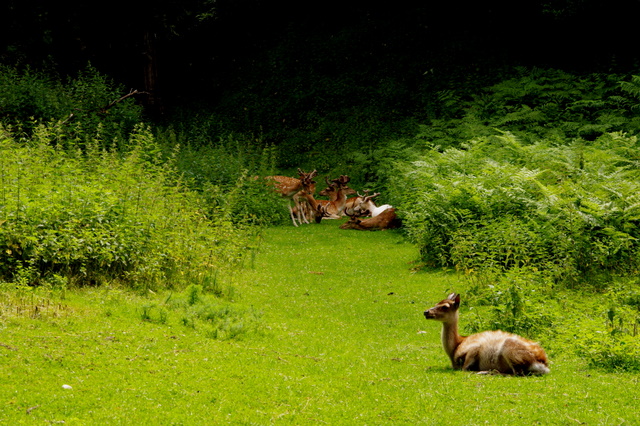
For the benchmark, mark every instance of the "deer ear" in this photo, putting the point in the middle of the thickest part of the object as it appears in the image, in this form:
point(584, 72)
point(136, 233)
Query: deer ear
point(452, 296)
point(457, 300)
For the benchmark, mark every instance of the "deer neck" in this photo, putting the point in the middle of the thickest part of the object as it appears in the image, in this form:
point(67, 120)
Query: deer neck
point(451, 339)
point(312, 201)
point(341, 198)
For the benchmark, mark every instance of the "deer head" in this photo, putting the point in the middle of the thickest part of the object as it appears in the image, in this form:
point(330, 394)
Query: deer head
point(445, 310)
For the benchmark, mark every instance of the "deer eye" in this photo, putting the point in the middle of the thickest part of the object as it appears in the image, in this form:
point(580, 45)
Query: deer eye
point(445, 307)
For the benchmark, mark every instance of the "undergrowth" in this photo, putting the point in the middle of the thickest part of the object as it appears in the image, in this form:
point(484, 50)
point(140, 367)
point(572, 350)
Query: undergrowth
point(97, 215)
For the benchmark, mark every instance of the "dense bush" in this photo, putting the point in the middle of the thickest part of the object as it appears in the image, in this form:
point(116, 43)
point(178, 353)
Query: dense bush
point(614, 344)
point(95, 215)
point(572, 209)
point(519, 301)
point(539, 104)
point(529, 187)
point(88, 108)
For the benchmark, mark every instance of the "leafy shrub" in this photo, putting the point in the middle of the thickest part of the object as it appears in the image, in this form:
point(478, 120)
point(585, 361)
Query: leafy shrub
point(98, 215)
point(539, 104)
point(520, 301)
point(87, 108)
point(498, 203)
point(611, 353)
point(616, 345)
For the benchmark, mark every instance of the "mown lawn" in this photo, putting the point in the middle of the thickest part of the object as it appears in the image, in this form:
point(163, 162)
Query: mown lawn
point(340, 340)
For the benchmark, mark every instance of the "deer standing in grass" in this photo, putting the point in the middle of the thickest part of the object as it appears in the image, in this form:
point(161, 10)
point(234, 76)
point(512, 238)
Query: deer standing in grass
point(489, 351)
point(302, 208)
point(288, 187)
point(316, 210)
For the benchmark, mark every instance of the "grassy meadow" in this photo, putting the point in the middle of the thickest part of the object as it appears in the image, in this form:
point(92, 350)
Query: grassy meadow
point(148, 277)
point(321, 326)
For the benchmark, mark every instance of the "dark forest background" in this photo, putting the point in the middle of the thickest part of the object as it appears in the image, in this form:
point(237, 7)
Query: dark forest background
point(291, 59)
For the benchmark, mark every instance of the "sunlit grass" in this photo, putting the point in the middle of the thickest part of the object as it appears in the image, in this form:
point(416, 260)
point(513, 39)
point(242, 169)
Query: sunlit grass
point(341, 340)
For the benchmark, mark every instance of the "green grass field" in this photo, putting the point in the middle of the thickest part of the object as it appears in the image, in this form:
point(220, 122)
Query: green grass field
point(325, 326)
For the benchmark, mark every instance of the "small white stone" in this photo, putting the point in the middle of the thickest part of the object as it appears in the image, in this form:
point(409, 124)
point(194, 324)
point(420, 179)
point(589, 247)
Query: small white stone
point(66, 387)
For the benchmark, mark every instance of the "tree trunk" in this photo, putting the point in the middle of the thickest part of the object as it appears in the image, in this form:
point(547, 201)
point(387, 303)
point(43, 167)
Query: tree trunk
point(154, 101)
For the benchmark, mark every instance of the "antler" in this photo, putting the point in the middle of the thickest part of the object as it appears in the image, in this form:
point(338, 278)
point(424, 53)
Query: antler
point(343, 180)
point(307, 176)
point(368, 197)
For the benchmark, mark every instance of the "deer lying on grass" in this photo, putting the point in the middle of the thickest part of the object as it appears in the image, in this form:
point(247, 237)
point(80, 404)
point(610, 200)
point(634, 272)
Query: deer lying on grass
point(333, 193)
point(385, 220)
point(352, 207)
point(489, 351)
point(337, 192)
point(368, 204)
point(288, 187)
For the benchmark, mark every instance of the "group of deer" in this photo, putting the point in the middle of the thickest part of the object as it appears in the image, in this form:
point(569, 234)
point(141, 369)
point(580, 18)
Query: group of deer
point(489, 351)
point(305, 208)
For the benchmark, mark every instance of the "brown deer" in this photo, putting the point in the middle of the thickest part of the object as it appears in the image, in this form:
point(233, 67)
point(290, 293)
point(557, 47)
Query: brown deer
point(488, 351)
point(317, 210)
point(288, 187)
point(302, 208)
point(332, 193)
point(367, 204)
point(352, 207)
point(337, 193)
point(385, 220)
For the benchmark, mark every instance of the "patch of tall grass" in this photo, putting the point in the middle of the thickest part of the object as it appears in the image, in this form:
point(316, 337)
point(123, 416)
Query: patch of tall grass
point(96, 215)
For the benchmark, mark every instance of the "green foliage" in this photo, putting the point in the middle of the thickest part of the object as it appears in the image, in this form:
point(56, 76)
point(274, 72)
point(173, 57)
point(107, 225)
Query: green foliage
point(226, 169)
point(352, 330)
point(615, 344)
point(86, 109)
point(498, 203)
point(539, 104)
point(520, 301)
point(205, 312)
point(100, 216)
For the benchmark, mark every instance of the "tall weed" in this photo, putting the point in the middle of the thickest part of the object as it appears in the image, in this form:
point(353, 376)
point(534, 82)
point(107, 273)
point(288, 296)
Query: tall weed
point(97, 215)
point(615, 345)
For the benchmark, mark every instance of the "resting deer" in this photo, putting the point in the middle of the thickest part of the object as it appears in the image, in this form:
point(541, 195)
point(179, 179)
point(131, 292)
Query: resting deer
point(368, 204)
point(352, 207)
point(488, 351)
point(385, 220)
point(337, 192)
point(288, 187)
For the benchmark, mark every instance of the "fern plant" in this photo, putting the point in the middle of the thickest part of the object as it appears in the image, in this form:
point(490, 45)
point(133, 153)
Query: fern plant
point(499, 203)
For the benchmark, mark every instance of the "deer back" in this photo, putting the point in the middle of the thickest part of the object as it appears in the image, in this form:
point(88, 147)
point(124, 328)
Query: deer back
point(385, 220)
